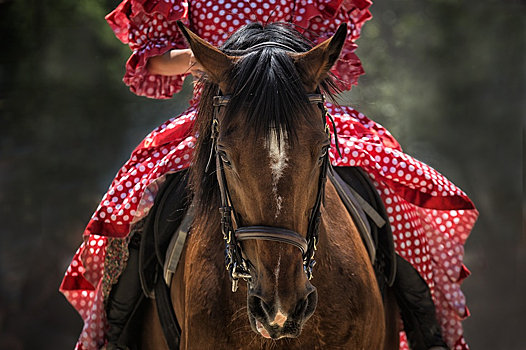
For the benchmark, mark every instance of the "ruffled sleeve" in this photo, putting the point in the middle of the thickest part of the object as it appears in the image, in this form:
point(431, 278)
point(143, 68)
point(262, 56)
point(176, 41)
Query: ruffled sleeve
point(321, 19)
point(149, 28)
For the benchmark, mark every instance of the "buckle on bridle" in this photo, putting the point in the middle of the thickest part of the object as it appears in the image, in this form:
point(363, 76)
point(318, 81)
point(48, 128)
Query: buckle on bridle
point(307, 267)
point(235, 275)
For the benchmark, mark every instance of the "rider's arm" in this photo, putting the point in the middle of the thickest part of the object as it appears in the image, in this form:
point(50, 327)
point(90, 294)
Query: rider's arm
point(173, 62)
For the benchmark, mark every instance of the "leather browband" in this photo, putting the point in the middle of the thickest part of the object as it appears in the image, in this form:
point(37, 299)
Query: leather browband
point(222, 101)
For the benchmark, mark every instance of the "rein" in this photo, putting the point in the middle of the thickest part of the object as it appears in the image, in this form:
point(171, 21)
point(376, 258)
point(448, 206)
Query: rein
point(235, 263)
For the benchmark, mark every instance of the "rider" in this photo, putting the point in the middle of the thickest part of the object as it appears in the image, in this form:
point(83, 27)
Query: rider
point(430, 217)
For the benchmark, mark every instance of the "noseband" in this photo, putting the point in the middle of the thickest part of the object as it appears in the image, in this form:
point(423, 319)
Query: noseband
point(235, 263)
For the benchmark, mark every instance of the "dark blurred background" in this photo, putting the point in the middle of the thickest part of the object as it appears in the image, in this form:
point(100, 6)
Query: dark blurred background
point(446, 77)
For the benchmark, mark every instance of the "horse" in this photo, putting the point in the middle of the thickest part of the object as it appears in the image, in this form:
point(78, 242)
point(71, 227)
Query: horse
point(263, 205)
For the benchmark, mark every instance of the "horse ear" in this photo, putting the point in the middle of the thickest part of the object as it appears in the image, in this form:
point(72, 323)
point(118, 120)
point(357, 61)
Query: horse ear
point(216, 64)
point(314, 65)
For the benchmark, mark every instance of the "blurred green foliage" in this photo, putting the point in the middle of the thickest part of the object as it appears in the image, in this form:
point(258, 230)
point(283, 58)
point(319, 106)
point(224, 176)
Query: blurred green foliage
point(445, 76)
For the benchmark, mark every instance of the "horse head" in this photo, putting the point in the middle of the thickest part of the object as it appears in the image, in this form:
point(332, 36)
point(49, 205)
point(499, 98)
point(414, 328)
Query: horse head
point(262, 156)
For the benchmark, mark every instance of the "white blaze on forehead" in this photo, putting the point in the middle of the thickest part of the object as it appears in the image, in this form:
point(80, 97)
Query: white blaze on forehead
point(278, 162)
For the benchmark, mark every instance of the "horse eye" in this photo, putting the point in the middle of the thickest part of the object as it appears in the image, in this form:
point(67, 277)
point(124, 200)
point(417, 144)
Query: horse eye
point(224, 158)
point(323, 153)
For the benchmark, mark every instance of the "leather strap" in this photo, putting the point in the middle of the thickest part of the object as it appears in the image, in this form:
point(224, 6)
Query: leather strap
point(360, 220)
point(165, 310)
point(275, 234)
point(367, 208)
point(222, 101)
point(175, 249)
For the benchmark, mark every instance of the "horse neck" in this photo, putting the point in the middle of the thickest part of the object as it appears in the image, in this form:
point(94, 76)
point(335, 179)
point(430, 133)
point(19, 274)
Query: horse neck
point(340, 245)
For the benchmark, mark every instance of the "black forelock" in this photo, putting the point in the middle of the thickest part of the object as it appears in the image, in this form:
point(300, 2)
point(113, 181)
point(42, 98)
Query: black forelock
point(266, 88)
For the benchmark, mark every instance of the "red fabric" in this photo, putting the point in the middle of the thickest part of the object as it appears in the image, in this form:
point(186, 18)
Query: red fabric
point(430, 217)
point(322, 18)
point(148, 27)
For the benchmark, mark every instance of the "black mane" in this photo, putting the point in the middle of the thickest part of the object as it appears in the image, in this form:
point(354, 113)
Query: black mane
point(265, 86)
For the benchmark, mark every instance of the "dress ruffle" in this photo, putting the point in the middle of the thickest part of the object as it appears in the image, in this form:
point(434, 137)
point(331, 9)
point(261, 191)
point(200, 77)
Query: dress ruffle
point(149, 28)
point(322, 18)
point(165, 150)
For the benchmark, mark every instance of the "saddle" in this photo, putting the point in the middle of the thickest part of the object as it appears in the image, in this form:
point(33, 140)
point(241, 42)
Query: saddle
point(168, 215)
point(170, 219)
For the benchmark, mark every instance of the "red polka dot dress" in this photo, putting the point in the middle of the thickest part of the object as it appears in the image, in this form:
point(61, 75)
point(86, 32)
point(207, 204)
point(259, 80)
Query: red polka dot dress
point(430, 217)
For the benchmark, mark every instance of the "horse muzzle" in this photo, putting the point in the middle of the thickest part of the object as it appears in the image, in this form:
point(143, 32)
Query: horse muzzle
point(270, 320)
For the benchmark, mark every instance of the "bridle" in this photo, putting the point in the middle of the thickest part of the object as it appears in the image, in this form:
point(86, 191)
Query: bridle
point(235, 263)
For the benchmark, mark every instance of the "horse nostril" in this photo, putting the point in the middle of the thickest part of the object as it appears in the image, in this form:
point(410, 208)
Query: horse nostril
point(310, 304)
point(258, 307)
point(266, 308)
point(301, 307)
point(305, 307)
